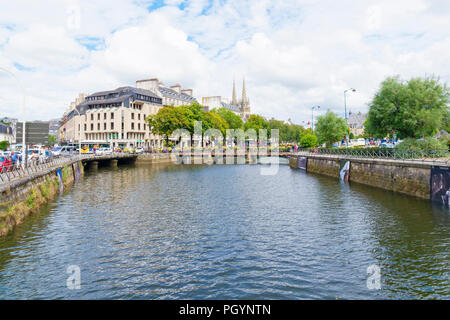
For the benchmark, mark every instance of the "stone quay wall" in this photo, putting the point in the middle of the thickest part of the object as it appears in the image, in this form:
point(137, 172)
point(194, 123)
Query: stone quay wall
point(28, 195)
point(403, 176)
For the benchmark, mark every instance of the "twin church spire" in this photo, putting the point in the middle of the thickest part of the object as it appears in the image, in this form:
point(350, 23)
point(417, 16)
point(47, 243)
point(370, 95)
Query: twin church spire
point(244, 101)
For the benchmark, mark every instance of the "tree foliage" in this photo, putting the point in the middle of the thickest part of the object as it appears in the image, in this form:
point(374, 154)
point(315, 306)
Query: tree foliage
point(52, 139)
point(256, 122)
point(4, 145)
point(330, 128)
point(415, 108)
point(170, 118)
point(234, 121)
point(308, 141)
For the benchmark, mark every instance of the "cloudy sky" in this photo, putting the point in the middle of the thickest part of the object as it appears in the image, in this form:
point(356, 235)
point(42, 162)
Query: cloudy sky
point(293, 53)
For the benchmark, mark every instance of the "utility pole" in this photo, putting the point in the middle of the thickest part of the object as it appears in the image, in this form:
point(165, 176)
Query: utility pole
point(345, 101)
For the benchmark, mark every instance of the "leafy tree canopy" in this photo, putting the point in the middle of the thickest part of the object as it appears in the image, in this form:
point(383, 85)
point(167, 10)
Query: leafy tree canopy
point(309, 141)
point(330, 128)
point(415, 108)
point(234, 121)
point(4, 145)
point(256, 122)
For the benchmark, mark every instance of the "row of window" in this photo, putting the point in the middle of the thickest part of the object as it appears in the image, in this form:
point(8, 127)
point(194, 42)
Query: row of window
point(144, 127)
point(115, 135)
point(147, 98)
point(112, 116)
point(104, 116)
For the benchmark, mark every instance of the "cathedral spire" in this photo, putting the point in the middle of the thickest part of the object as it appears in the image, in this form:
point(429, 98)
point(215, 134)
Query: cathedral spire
point(234, 100)
point(244, 93)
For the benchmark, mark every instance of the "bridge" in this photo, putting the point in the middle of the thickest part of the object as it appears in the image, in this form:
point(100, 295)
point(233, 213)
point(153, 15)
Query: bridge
point(12, 173)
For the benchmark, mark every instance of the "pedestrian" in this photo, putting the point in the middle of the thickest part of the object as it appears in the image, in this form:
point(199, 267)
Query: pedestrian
point(14, 158)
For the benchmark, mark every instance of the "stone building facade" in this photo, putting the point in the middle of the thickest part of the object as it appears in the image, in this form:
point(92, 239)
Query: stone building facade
point(355, 122)
point(118, 117)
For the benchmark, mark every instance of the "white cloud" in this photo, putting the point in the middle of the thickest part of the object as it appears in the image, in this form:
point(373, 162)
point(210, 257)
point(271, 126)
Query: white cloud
point(293, 53)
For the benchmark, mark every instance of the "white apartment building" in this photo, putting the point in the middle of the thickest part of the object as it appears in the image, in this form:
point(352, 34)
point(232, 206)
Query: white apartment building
point(118, 117)
point(115, 117)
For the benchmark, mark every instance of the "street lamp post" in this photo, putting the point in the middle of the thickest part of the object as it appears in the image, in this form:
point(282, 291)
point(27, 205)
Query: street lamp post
point(345, 101)
point(312, 115)
point(24, 151)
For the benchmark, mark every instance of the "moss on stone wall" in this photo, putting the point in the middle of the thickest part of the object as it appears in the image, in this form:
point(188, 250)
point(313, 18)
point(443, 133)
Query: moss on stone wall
point(36, 198)
point(14, 211)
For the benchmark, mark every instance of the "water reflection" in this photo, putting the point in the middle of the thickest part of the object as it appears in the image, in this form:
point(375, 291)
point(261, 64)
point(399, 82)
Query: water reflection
point(227, 232)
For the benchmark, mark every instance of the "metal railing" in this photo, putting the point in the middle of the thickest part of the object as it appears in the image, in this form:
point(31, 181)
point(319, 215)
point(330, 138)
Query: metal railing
point(19, 170)
point(441, 156)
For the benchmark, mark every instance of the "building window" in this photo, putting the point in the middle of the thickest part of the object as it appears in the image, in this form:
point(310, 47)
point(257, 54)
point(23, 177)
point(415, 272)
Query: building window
point(104, 116)
point(132, 116)
point(98, 116)
point(104, 126)
point(112, 115)
point(92, 116)
point(112, 125)
point(92, 127)
point(98, 126)
point(132, 126)
point(139, 126)
point(139, 116)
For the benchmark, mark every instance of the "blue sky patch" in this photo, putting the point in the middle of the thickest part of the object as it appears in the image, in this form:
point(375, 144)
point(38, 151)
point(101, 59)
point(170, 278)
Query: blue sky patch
point(92, 43)
point(20, 67)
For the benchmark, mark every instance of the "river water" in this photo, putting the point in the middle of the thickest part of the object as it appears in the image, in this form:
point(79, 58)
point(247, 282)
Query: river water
point(227, 232)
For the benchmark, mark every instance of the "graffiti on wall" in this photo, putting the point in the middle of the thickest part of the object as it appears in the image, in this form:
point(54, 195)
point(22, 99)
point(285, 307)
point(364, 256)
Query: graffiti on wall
point(440, 185)
point(302, 161)
point(344, 170)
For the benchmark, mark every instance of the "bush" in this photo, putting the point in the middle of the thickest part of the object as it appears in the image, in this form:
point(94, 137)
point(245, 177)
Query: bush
point(308, 141)
point(426, 144)
point(445, 140)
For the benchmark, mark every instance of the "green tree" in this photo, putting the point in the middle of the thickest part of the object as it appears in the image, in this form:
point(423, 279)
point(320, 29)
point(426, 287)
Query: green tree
point(256, 122)
point(52, 139)
point(330, 128)
point(213, 120)
point(167, 120)
point(4, 145)
point(234, 121)
point(308, 141)
point(416, 108)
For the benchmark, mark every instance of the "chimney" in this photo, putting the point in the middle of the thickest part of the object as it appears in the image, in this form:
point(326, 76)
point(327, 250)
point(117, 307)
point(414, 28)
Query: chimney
point(148, 84)
point(176, 87)
point(187, 91)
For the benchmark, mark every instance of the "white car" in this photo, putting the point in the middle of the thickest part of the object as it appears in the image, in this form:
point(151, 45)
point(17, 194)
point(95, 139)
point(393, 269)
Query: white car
point(103, 151)
point(139, 150)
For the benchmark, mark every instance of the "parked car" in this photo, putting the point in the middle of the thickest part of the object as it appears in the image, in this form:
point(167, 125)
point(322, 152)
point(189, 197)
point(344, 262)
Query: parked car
point(103, 151)
point(68, 150)
point(139, 150)
point(56, 151)
point(5, 164)
point(386, 145)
